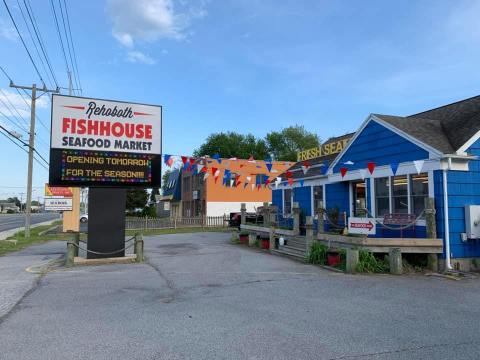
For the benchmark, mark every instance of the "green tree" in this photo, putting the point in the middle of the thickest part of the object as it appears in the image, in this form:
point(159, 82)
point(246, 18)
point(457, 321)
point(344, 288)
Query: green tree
point(285, 144)
point(14, 200)
point(165, 177)
point(232, 144)
point(136, 198)
point(155, 191)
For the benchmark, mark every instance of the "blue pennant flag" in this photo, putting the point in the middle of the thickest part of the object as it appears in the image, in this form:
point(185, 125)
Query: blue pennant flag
point(186, 166)
point(166, 157)
point(217, 157)
point(269, 166)
point(226, 177)
point(325, 167)
point(301, 182)
point(394, 167)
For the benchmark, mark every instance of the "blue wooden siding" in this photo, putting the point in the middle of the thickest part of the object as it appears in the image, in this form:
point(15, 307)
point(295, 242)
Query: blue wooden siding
point(381, 146)
point(463, 189)
point(337, 195)
point(303, 195)
point(277, 199)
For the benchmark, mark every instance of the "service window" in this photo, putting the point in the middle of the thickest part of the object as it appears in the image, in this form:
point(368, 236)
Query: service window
point(382, 196)
point(400, 194)
point(287, 201)
point(419, 191)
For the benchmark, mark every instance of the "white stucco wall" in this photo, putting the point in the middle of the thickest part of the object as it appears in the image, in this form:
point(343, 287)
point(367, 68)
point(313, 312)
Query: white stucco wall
point(220, 208)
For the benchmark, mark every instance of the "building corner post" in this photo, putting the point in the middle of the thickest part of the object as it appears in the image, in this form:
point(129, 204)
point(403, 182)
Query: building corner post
point(296, 218)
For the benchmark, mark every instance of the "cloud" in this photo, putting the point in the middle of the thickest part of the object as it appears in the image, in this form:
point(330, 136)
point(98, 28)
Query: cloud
point(7, 31)
point(151, 20)
point(139, 57)
point(11, 101)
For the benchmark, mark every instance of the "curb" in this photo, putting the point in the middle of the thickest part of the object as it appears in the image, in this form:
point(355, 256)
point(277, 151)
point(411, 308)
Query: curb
point(5, 234)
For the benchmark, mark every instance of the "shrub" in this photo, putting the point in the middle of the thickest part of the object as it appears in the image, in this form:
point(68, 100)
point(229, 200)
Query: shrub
point(317, 254)
point(368, 263)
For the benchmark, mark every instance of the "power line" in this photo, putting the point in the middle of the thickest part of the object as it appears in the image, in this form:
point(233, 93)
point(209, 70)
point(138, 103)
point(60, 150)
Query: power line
point(23, 42)
point(38, 34)
point(33, 42)
point(13, 122)
point(68, 43)
point(73, 47)
point(59, 35)
point(13, 106)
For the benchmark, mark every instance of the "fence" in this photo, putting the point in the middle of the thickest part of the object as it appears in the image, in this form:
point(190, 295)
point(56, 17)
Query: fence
point(146, 223)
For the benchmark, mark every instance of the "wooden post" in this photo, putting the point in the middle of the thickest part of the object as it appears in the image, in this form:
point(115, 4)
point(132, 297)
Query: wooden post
point(252, 238)
point(296, 218)
point(309, 232)
point(432, 259)
point(352, 261)
point(138, 248)
point(272, 238)
point(76, 241)
point(266, 215)
point(70, 254)
point(395, 257)
point(272, 212)
point(321, 220)
point(243, 211)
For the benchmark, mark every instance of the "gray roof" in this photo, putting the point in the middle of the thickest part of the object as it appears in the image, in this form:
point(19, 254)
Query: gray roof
point(446, 128)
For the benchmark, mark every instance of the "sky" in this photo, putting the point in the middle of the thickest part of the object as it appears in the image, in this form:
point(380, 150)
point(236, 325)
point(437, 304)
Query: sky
point(247, 66)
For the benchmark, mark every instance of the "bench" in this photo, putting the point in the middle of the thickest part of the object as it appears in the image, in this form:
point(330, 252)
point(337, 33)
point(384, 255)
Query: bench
point(400, 220)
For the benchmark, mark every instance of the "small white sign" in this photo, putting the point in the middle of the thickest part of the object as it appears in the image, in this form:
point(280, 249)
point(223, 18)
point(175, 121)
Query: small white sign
point(56, 203)
point(364, 226)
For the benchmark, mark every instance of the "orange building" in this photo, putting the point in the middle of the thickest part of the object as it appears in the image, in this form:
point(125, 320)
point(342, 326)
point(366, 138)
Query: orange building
point(229, 183)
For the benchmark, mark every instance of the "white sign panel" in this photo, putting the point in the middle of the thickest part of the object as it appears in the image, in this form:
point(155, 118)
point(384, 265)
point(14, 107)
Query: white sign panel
point(364, 226)
point(57, 203)
point(102, 125)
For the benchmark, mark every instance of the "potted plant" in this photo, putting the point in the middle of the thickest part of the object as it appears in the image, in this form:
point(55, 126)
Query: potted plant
point(243, 237)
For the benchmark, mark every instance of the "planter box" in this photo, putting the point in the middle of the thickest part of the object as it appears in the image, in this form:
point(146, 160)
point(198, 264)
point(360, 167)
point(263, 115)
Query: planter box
point(265, 243)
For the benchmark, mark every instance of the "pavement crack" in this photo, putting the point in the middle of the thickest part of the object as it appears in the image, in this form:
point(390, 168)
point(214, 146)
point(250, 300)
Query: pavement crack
point(408, 349)
point(170, 284)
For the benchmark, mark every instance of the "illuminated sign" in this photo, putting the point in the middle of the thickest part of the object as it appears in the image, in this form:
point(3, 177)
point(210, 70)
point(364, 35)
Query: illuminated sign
point(329, 148)
point(97, 142)
point(58, 191)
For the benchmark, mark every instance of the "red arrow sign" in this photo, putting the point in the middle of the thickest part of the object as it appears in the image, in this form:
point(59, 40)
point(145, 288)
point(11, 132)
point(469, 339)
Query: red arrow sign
point(368, 226)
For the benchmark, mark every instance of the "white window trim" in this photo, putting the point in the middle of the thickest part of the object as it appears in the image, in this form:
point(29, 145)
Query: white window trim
point(291, 203)
point(373, 198)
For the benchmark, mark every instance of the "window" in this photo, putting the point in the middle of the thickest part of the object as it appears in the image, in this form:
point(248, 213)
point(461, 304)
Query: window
point(382, 196)
point(419, 191)
point(400, 195)
point(287, 201)
point(317, 195)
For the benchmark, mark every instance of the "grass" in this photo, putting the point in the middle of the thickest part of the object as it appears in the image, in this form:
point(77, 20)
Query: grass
point(178, 231)
point(22, 242)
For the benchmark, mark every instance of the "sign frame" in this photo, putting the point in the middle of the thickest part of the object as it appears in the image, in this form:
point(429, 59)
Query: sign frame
point(67, 207)
point(362, 226)
point(154, 167)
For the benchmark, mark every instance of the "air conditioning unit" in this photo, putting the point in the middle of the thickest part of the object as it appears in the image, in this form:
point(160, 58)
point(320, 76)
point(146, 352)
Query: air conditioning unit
point(472, 221)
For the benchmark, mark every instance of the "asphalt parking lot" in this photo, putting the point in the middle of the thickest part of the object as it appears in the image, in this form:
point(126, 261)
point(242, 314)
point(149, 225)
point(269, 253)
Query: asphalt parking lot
point(201, 297)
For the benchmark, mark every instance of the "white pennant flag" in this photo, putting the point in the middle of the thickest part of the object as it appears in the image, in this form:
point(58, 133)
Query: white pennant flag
point(217, 173)
point(349, 162)
point(363, 173)
point(231, 182)
point(206, 176)
point(199, 168)
point(418, 165)
point(253, 186)
point(249, 178)
point(304, 169)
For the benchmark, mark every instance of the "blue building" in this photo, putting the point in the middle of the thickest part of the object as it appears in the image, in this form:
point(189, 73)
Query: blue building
point(170, 204)
point(392, 164)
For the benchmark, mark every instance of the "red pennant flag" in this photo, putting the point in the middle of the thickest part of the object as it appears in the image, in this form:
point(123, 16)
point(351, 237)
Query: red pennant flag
point(267, 182)
point(192, 161)
point(290, 181)
point(371, 167)
point(259, 186)
point(184, 159)
point(237, 180)
point(289, 174)
point(204, 169)
point(343, 171)
point(170, 161)
point(306, 163)
point(214, 170)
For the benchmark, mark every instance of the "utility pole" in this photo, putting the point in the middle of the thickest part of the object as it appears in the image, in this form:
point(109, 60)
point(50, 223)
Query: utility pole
point(31, 148)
